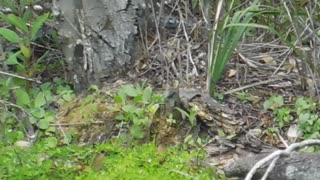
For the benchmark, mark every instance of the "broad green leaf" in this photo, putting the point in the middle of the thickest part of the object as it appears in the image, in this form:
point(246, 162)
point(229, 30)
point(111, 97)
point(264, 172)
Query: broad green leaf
point(26, 16)
point(37, 24)
point(267, 104)
point(25, 51)
point(46, 86)
point(49, 116)
point(130, 108)
point(278, 101)
point(68, 96)
point(40, 100)
point(67, 138)
point(38, 113)
point(51, 142)
point(130, 90)
point(147, 94)
point(18, 22)
point(120, 117)
point(138, 99)
point(22, 97)
point(119, 99)
point(137, 132)
point(304, 117)
point(136, 121)
point(9, 35)
point(43, 124)
point(12, 60)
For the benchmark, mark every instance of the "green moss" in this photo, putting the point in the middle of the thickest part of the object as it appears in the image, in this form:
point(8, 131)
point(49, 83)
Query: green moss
point(117, 162)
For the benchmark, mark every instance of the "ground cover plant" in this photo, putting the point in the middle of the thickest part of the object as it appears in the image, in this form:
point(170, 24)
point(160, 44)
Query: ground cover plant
point(111, 161)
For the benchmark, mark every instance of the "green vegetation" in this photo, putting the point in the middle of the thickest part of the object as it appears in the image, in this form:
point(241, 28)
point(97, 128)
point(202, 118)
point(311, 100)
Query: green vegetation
point(305, 110)
point(136, 107)
point(29, 107)
point(226, 36)
point(105, 161)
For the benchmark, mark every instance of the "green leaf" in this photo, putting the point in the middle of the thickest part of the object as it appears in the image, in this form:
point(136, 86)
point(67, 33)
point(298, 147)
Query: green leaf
point(48, 95)
point(40, 100)
point(38, 113)
point(273, 103)
point(137, 132)
point(153, 108)
point(37, 24)
point(183, 112)
point(304, 117)
point(49, 116)
point(68, 96)
point(43, 124)
point(51, 142)
point(129, 108)
point(267, 104)
point(67, 138)
point(120, 117)
point(278, 101)
point(130, 90)
point(9, 35)
point(12, 60)
point(22, 97)
point(18, 22)
point(25, 51)
point(119, 99)
point(147, 94)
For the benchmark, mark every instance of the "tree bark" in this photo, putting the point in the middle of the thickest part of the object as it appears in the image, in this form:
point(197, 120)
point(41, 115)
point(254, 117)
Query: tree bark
point(297, 166)
point(99, 38)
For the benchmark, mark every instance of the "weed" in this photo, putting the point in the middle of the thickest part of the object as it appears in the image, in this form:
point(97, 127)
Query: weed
point(305, 110)
point(136, 107)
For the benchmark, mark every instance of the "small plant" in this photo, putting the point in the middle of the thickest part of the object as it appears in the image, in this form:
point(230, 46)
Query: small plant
point(24, 30)
point(136, 107)
point(304, 109)
point(226, 35)
point(191, 116)
point(25, 106)
point(273, 103)
point(282, 114)
point(308, 119)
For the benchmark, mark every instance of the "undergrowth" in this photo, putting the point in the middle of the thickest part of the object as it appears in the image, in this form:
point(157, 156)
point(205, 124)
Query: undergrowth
point(105, 161)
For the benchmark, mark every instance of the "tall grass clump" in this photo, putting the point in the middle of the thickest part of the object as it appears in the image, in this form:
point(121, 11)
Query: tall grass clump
point(227, 32)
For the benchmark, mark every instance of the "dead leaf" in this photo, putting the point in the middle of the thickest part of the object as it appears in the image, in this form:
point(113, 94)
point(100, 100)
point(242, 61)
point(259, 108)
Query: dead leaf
point(22, 144)
point(291, 65)
point(232, 73)
point(294, 132)
point(269, 60)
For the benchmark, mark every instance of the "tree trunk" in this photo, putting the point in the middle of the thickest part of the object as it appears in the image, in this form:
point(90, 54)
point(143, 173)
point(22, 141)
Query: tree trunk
point(100, 38)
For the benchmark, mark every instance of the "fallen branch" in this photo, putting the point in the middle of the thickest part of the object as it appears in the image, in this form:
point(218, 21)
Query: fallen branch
point(285, 164)
point(279, 153)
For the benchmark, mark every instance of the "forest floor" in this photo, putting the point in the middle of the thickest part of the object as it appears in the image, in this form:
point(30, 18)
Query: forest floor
point(261, 78)
point(256, 107)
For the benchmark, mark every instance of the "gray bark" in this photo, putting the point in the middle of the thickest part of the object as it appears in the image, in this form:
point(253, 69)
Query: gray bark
point(99, 38)
point(297, 166)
